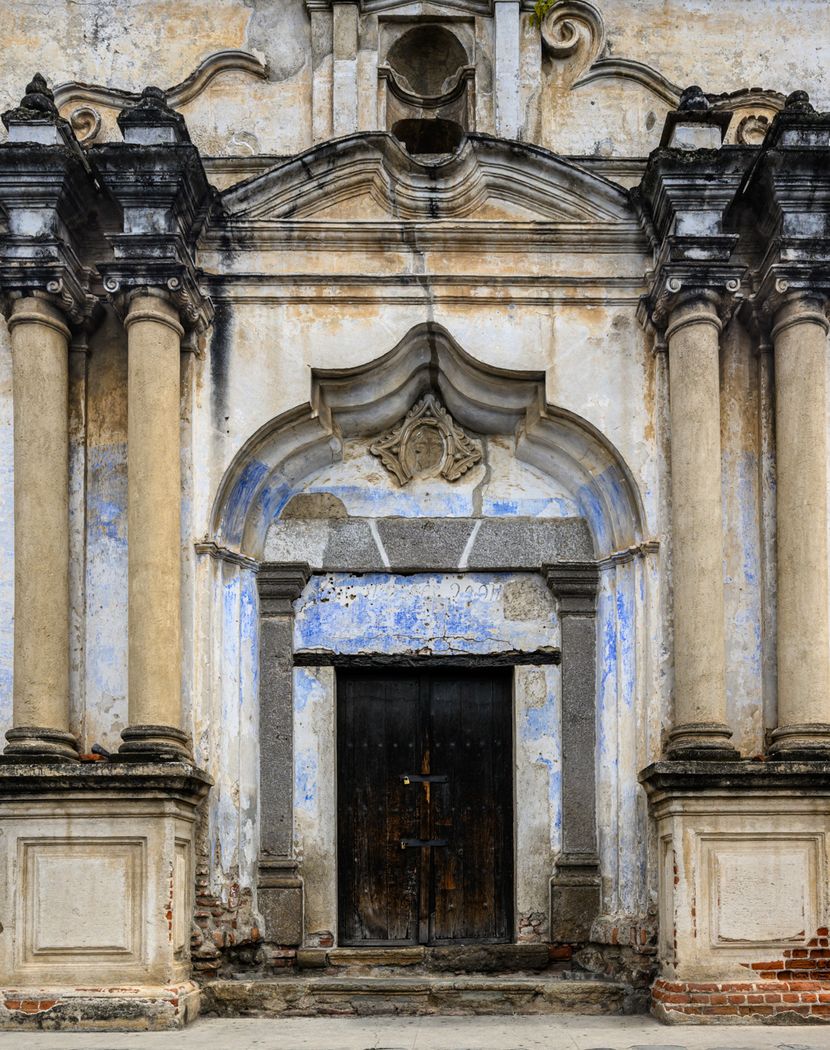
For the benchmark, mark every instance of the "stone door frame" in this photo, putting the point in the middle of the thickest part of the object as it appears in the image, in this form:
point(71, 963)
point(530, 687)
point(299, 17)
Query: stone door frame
point(575, 882)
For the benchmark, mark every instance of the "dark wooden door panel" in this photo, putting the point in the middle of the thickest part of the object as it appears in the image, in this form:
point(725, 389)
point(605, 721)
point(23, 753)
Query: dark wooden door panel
point(471, 725)
point(379, 728)
point(453, 732)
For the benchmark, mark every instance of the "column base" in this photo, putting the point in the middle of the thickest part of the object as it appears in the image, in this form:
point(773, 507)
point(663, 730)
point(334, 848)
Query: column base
point(809, 741)
point(39, 744)
point(280, 900)
point(701, 742)
point(97, 893)
point(742, 849)
point(142, 1008)
point(575, 897)
point(154, 744)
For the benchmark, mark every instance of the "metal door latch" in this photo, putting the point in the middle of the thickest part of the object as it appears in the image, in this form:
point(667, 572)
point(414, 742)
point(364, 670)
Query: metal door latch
point(423, 778)
point(414, 843)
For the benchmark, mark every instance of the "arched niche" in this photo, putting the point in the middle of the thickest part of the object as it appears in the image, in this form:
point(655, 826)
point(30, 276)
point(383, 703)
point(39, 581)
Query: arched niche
point(282, 488)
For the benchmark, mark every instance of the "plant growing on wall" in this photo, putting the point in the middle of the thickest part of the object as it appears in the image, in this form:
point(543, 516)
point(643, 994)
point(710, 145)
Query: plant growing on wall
point(540, 9)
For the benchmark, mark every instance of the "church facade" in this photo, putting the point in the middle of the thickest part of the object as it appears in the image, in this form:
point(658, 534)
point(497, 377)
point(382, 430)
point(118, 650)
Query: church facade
point(414, 448)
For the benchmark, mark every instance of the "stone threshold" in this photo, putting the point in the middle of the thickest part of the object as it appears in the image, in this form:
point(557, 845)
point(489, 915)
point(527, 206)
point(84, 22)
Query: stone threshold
point(302, 996)
point(500, 959)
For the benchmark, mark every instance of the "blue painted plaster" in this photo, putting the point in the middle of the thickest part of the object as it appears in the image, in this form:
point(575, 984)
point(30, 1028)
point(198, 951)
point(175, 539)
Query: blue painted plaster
point(427, 612)
point(244, 491)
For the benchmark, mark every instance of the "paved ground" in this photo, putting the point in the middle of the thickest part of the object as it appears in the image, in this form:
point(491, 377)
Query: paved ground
point(440, 1033)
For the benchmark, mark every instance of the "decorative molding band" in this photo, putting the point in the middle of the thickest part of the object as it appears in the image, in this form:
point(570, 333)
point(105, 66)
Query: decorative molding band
point(213, 550)
point(86, 120)
point(486, 237)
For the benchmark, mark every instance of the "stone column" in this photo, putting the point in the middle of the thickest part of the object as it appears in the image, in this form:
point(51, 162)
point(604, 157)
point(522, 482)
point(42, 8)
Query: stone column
point(154, 530)
point(693, 336)
point(800, 339)
point(40, 363)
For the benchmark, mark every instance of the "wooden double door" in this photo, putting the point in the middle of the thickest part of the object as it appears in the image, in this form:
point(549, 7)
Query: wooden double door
point(425, 806)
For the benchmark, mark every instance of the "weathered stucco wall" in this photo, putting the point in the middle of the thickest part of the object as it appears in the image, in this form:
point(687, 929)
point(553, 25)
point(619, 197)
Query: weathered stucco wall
point(616, 111)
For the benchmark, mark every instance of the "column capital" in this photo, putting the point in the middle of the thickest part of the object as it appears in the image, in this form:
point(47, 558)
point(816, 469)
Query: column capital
point(687, 294)
point(47, 191)
point(574, 585)
point(154, 247)
point(279, 586)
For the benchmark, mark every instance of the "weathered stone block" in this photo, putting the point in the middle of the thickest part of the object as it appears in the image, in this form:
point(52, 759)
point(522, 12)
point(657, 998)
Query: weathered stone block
point(282, 913)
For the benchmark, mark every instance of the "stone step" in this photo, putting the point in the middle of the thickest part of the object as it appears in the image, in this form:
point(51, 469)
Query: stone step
point(303, 996)
point(464, 958)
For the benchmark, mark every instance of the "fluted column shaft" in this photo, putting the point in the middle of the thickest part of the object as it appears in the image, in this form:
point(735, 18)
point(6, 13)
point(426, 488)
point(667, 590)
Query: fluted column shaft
point(154, 529)
point(693, 336)
point(40, 374)
point(800, 339)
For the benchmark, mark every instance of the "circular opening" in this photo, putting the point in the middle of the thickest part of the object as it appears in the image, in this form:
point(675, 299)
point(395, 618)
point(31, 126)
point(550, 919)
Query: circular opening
point(434, 135)
point(428, 58)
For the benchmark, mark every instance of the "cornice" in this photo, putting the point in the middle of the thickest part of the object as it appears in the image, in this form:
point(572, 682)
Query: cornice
point(463, 236)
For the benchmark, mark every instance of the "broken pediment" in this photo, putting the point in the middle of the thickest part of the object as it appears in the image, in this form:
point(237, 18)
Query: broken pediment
point(416, 8)
point(371, 177)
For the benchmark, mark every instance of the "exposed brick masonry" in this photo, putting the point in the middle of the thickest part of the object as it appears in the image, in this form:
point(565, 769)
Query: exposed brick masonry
point(795, 986)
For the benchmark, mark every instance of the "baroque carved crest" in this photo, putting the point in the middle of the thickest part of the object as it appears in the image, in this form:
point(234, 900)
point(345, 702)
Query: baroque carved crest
point(428, 443)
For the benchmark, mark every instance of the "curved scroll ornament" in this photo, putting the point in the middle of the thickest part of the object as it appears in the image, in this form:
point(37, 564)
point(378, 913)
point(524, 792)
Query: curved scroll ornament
point(85, 118)
point(427, 444)
point(574, 30)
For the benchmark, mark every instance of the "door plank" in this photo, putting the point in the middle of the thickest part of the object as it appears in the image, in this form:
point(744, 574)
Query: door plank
point(378, 731)
point(473, 879)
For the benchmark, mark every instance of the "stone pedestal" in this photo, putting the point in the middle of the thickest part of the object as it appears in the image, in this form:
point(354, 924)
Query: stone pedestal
point(743, 853)
point(96, 895)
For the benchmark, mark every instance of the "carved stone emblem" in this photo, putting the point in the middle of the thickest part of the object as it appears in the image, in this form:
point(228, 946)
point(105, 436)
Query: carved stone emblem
point(427, 444)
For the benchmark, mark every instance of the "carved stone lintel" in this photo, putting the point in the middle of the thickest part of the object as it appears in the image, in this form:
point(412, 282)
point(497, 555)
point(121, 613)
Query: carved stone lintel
point(427, 444)
point(280, 585)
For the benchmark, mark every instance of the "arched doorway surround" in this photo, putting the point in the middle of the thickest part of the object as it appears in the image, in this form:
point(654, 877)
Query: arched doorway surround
point(281, 536)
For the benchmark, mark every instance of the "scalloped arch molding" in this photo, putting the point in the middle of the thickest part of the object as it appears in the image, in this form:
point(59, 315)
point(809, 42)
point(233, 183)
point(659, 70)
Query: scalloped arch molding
point(363, 401)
